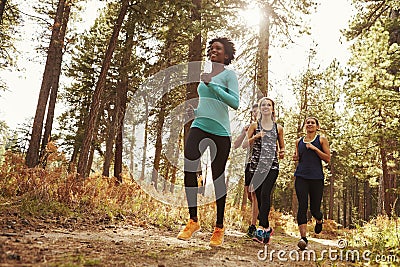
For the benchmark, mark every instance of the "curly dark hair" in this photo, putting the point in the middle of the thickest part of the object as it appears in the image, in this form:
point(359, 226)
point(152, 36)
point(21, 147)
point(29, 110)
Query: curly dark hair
point(228, 45)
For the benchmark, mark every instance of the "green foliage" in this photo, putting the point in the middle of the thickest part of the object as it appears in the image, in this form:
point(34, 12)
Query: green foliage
point(381, 237)
point(369, 13)
point(9, 23)
point(373, 107)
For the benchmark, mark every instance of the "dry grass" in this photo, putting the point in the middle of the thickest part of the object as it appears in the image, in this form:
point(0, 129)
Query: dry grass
point(55, 192)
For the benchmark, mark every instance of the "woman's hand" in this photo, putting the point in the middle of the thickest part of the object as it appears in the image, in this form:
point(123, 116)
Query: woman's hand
point(206, 78)
point(259, 135)
point(311, 146)
point(295, 157)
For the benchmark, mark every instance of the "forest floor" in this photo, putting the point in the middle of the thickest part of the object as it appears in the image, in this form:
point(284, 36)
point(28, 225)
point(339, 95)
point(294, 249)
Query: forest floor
point(76, 242)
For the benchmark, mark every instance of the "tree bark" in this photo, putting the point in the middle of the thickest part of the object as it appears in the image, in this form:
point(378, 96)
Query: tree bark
point(95, 106)
point(32, 155)
point(175, 161)
point(109, 143)
point(395, 33)
point(367, 201)
point(2, 8)
point(146, 130)
point(350, 210)
point(356, 199)
point(121, 101)
point(55, 77)
point(263, 51)
point(386, 180)
point(194, 55)
point(132, 166)
point(160, 124)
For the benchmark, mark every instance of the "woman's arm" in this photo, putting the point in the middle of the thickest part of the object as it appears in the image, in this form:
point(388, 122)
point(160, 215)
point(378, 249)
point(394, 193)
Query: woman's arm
point(250, 135)
point(296, 151)
point(241, 137)
point(281, 142)
point(231, 96)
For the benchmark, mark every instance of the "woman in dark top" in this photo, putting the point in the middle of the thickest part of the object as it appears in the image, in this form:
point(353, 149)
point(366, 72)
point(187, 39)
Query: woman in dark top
point(310, 150)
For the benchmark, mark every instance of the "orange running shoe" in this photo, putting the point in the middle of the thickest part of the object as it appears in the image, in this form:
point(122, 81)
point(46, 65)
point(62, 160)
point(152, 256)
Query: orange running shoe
point(191, 228)
point(217, 237)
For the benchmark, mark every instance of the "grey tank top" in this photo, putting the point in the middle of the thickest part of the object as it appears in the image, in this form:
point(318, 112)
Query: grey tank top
point(264, 155)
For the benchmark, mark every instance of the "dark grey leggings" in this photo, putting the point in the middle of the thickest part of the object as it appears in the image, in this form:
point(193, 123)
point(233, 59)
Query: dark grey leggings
point(197, 142)
point(263, 193)
point(313, 188)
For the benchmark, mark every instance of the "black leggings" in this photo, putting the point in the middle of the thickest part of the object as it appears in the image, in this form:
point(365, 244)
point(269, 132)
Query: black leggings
point(313, 188)
point(197, 142)
point(263, 193)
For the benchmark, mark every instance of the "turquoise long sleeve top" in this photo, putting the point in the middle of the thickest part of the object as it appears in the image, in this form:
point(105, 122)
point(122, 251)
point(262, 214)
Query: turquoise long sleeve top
point(212, 114)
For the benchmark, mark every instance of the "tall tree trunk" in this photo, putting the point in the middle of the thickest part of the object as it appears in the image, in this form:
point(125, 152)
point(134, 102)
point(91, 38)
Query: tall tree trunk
point(122, 99)
point(263, 50)
point(167, 169)
point(2, 8)
point(90, 160)
point(367, 201)
point(381, 196)
point(175, 162)
point(95, 106)
point(356, 199)
point(172, 149)
point(55, 77)
point(386, 179)
point(160, 124)
point(132, 166)
point(32, 155)
point(74, 157)
point(109, 143)
point(77, 142)
point(350, 200)
point(194, 55)
point(395, 33)
point(392, 175)
point(146, 130)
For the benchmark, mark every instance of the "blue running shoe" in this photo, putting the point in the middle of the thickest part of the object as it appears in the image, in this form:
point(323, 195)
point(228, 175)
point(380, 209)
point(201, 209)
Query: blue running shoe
point(259, 235)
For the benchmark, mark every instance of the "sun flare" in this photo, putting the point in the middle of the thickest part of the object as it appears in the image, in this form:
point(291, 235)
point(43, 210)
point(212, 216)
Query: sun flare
point(251, 16)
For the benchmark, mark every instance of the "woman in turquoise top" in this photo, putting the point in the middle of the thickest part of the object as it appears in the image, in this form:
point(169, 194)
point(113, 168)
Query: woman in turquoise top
point(217, 91)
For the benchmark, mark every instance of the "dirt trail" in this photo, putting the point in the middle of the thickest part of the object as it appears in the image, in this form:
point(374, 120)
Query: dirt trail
point(76, 243)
